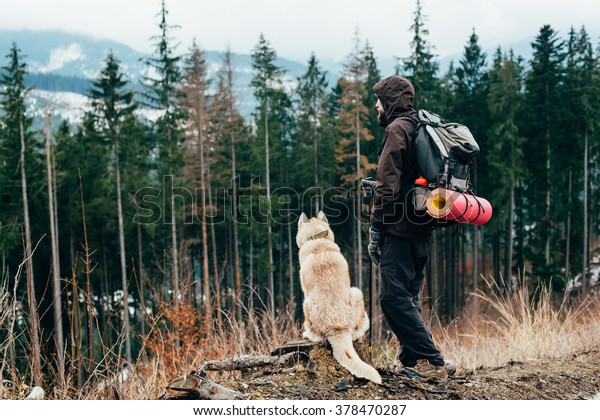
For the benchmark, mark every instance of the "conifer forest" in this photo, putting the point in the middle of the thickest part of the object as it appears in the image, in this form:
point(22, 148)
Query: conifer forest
point(126, 238)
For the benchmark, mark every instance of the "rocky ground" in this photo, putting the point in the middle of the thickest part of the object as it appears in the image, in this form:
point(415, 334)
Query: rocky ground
point(314, 374)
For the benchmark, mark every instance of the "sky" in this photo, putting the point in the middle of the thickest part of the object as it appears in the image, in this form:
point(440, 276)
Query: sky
point(295, 28)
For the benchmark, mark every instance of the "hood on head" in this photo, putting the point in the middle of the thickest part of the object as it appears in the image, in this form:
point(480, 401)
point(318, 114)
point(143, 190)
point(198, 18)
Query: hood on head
point(397, 96)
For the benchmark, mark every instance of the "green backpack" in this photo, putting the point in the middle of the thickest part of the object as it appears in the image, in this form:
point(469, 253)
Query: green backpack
point(445, 152)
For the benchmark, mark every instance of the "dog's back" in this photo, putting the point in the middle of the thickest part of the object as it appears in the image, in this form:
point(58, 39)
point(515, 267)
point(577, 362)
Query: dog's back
point(332, 309)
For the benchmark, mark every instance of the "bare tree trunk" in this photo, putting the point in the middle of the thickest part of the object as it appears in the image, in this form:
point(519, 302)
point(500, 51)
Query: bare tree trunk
point(568, 234)
point(214, 248)
point(549, 232)
point(521, 236)
point(290, 266)
point(126, 331)
point(55, 199)
point(88, 284)
point(585, 214)
point(251, 277)
point(105, 290)
point(76, 353)
point(432, 275)
point(316, 158)
point(205, 269)
point(281, 275)
point(174, 251)
point(484, 261)
point(455, 275)
point(142, 282)
point(33, 314)
point(548, 182)
point(463, 271)
point(174, 255)
point(359, 276)
point(56, 287)
point(269, 228)
point(236, 249)
point(508, 252)
point(476, 267)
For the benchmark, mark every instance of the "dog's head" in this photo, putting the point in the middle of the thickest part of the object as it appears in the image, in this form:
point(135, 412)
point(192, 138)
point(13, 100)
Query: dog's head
point(314, 228)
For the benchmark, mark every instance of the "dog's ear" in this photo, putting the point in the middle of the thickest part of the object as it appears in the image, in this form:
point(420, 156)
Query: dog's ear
point(302, 219)
point(322, 217)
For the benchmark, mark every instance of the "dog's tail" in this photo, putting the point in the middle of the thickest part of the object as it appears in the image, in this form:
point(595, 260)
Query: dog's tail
point(344, 353)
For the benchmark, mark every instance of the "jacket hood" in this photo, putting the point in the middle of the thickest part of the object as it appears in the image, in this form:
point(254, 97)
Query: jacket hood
point(397, 95)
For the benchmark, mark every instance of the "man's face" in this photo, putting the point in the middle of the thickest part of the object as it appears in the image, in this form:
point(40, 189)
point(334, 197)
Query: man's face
point(379, 108)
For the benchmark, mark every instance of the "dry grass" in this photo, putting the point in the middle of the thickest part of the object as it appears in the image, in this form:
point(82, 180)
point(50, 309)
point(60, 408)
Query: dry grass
point(520, 327)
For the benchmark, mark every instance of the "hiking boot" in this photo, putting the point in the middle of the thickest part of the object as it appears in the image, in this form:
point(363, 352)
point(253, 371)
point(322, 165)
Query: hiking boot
point(424, 369)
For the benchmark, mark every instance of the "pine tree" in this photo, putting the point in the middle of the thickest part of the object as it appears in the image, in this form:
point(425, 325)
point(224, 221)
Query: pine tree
point(228, 131)
point(195, 100)
point(17, 136)
point(373, 76)
point(470, 89)
point(268, 91)
point(421, 66)
point(312, 143)
point(571, 90)
point(163, 93)
point(113, 105)
point(542, 126)
point(590, 97)
point(137, 174)
point(581, 93)
point(468, 83)
point(86, 153)
point(56, 282)
point(353, 122)
point(504, 102)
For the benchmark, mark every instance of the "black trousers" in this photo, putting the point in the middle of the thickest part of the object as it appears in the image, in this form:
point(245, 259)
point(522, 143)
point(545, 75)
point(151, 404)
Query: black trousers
point(402, 273)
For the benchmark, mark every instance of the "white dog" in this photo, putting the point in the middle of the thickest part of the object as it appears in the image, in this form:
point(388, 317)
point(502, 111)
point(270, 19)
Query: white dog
point(332, 309)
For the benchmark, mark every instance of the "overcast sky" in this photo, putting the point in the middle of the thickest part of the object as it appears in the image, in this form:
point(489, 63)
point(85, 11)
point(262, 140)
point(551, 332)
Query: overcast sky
point(295, 28)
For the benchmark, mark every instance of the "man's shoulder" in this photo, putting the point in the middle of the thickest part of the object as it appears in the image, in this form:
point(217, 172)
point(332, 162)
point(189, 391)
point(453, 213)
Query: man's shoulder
point(404, 124)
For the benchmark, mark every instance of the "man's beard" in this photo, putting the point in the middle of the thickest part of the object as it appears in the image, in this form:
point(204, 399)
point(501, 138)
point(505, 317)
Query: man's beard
point(382, 120)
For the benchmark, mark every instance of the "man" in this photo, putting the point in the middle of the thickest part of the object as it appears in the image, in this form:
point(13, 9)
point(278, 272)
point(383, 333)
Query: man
point(399, 240)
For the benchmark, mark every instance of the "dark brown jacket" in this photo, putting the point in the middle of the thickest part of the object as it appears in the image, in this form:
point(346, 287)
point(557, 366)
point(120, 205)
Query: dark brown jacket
point(397, 169)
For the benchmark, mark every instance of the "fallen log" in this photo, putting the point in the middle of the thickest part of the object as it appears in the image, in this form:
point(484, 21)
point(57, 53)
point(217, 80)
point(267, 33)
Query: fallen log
point(245, 362)
point(200, 387)
point(294, 347)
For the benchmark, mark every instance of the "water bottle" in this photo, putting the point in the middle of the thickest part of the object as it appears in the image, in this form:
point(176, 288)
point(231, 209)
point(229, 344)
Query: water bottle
point(420, 193)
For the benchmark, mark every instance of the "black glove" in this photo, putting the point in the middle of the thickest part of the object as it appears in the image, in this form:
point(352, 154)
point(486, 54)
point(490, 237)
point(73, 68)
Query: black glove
point(375, 240)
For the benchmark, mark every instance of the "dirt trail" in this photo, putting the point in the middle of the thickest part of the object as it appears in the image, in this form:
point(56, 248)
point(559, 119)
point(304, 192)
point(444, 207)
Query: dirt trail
point(319, 376)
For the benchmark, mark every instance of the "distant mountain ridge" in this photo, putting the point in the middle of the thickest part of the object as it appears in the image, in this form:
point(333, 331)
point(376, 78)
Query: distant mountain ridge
point(64, 62)
point(68, 54)
point(59, 61)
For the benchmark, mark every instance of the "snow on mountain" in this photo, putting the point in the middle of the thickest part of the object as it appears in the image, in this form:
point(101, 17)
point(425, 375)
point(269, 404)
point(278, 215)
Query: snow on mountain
point(63, 105)
point(61, 56)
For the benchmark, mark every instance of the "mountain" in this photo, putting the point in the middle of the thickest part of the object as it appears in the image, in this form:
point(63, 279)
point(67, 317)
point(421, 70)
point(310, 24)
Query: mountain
point(62, 66)
point(66, 54)
point(61, 62)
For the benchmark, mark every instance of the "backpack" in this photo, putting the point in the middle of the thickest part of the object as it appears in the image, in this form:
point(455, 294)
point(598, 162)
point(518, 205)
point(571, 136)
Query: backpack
point(445, 152)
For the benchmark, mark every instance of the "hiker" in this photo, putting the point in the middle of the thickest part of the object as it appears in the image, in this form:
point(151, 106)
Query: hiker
point(399, 240)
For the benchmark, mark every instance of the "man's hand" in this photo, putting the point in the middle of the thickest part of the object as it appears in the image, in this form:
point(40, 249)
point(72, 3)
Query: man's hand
point(375, 239)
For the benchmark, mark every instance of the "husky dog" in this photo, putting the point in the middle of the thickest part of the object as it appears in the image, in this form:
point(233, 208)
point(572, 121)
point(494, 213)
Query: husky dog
point(332, 309)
